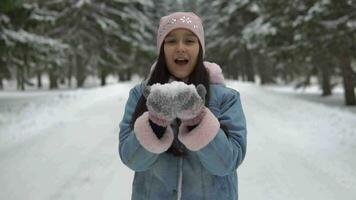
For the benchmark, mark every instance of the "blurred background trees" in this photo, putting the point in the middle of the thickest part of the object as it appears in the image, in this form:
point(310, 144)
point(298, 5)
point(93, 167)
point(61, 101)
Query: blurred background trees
point(262, 41)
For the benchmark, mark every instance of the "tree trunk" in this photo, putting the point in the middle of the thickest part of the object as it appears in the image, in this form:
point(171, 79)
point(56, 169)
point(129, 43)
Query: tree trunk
point(227, 71)
point(235, 73)
point(322, 65)
point(250, 72)
point(80, 75)
point(232, 71)
point(53, 79)
point(2, 70)
point(128, 74)
point(103, 75)
point(264, 70)
point(121, 75)
point(1, 84)
point(39, 79)
point(346, 71)
point(102, 80)
point(242, 68)
point(265, 74)
point(118, 77)
point(20, 78)
point(21, 72)
point(325, 80)
point(62, 79)
point(70, 71)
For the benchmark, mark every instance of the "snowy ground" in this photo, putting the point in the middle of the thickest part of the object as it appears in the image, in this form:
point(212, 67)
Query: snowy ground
point(63, 145)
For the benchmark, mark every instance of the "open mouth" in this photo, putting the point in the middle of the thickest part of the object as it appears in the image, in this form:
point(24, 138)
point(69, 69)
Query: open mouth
point(181, 61)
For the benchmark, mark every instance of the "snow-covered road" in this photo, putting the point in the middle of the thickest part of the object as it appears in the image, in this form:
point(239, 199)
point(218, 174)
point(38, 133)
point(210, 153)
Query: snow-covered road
point(73, 158)
point(296, 150)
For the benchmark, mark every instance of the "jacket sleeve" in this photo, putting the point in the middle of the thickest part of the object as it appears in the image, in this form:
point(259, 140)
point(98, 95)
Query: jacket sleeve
point(132, 153)
point(227, 150)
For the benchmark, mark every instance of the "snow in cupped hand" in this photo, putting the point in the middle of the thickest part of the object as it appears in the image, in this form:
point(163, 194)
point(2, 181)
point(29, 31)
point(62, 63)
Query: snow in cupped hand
point(175, 99)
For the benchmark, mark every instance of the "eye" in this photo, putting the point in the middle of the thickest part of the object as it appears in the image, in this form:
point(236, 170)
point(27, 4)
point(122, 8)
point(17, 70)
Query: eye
point(170, 41)
point(190, 40)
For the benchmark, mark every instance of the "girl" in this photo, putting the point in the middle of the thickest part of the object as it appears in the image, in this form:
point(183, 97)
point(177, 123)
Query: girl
point(179, 156)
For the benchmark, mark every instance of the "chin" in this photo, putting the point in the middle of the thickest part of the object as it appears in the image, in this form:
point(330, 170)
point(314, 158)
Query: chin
point(179, 72)
point(180, 76)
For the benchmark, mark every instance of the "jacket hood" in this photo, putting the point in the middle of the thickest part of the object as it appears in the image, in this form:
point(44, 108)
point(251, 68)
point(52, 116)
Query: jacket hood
point(215, 73)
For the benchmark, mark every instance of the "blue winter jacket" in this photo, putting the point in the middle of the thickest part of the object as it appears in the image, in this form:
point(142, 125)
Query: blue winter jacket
point(207, 174)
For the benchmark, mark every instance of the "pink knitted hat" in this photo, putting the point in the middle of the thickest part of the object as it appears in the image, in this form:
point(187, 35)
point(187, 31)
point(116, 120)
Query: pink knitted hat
point(187, 20)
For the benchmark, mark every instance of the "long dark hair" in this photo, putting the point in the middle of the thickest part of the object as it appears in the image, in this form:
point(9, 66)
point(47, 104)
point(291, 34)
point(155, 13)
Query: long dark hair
point(160, 74)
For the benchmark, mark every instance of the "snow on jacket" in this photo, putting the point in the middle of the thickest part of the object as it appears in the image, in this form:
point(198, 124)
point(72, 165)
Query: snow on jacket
point(209, 173)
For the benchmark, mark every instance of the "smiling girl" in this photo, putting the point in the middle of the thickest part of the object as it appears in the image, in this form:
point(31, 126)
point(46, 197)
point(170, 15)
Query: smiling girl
point(176, 155)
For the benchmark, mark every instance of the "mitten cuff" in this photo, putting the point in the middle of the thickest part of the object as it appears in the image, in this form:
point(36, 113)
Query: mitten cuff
point(201, 135)
point(196, 120)
point(157, 120)
point(148, 139)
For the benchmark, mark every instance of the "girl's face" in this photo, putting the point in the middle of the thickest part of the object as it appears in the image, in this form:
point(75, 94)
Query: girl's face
point(181, 49)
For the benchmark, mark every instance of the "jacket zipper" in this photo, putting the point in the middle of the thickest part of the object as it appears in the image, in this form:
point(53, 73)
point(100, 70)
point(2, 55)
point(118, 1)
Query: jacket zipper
point(180, 178)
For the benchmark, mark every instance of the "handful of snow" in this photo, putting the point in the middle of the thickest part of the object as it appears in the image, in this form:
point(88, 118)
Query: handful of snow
point(175, 99)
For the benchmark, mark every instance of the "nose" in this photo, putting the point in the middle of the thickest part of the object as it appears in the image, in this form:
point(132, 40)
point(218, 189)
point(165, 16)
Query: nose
point(180, 47)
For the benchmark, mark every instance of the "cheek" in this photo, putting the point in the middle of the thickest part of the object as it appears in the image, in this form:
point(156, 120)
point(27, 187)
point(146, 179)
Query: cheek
point(168, 53)
point(195, 53)
point(169, 64)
